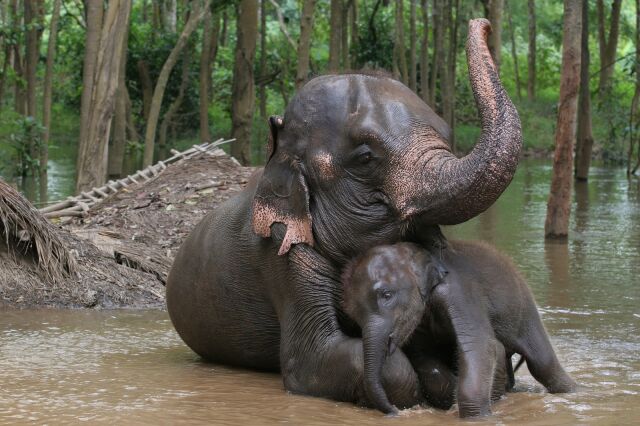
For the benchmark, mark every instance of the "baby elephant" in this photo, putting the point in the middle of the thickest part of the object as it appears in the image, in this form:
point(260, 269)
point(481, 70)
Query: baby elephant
point(464, 314)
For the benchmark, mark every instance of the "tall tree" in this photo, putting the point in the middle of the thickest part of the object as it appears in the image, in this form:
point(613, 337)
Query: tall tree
point(413, 39)
point(262, 65)
point(304, 44)
point(559, 204)
point(93, 14)
point(424, 53)
point(344, 33)
point(399, 54)
point(531, 55)
point(163, 78)
point(5, 46)
point(335, 38)
point(438, 48)
point(448, 73)
point(47, 95)
point(205, 78)
point(20, 96)
point(608, 45)
point(32, 22)
point(514, 54)
point(634, 123)
point(243, 92)
point(174, 107)
point(493, 12)
point(584, 140)
point(92, 160)
point(119, 139)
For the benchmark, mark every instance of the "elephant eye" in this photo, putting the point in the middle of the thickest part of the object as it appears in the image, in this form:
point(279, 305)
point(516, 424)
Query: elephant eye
point(385, 294)
point(362, 154)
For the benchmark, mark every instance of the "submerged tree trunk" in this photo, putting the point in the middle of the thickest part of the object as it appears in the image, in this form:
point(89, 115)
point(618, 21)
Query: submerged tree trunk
point(205, 78)
point(559, 204)
point(531, 56)
point(335, 35)
point(608, 45)
point(46, 102)
point(158, 92)
point(514, 55)
point(633, 115)
point(92, 160)
point(119, 140)
point(243, 91)
point(304, 44)
point(584, 140)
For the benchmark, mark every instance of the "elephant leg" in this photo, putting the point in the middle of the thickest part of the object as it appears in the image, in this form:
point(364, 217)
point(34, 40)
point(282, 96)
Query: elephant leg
point(437, 380)
point(316, 357)
point(477, 354)
point(501, 377)
point(542, 361)
point(511, 378)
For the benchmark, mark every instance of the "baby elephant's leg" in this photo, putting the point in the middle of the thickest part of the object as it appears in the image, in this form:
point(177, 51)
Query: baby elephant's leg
point(437, 380)
point(501, 378)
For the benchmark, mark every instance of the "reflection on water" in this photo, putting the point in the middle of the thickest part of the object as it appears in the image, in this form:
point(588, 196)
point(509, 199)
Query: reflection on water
point(131, 367)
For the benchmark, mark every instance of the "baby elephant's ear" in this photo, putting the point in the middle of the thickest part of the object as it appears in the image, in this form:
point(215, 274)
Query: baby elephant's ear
point(435, 274)
point(282, 196)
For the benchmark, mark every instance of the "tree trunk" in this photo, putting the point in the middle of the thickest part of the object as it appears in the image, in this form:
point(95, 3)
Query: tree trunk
point(147, 87)
point(32, 12)
point(344, 32)
point(119, 140)
point(92, 161)
point(584, 140)
point(171, 16)
point(158, 92)
point(424, 53)
point(175, 105)
point(608, 46)
point(205, 78)
point(494, 9)
point(514, 55)
point(5, 23)
point(633, 119)
point(531, 56)
point(46, 103)
point(243, 93)
point(438, 49)
point(19, 97)
point(449, 75)
point(335, 35)
point(413, 71)
point(262, 65)
point(304, 44)
point(559, 204)
point(93, 14)
point(399, 53)
point(215, 34)
point(225, 26)
point(354, 31)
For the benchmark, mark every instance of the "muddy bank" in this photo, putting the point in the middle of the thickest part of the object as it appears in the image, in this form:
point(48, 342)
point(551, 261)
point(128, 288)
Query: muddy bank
point(120, 251)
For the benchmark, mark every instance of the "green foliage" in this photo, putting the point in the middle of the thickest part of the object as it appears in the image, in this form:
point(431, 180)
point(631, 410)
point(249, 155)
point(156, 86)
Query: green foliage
point(24, 141)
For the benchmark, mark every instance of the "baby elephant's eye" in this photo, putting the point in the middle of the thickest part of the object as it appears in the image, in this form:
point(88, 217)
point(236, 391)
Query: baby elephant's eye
point(385, 294)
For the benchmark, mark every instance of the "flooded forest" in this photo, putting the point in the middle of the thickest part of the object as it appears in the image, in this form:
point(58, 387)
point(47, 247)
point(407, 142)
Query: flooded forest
point(124, 123)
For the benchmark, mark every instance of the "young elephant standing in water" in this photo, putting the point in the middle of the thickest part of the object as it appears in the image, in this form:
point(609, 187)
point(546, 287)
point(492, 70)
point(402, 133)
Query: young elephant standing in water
point(463, 315)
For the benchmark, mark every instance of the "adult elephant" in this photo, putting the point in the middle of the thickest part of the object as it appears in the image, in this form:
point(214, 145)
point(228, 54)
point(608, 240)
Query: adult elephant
point(358, 160)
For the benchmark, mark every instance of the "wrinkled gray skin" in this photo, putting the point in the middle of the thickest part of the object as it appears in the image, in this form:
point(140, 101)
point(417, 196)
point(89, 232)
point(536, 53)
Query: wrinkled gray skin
point(356, 161)
point(460, 312)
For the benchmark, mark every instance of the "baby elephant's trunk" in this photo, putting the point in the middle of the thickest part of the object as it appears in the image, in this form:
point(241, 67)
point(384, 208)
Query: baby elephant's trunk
point(375, 338)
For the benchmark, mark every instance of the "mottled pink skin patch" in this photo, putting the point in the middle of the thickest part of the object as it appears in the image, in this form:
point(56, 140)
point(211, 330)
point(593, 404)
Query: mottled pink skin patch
point(299, 230)
point(325, 165)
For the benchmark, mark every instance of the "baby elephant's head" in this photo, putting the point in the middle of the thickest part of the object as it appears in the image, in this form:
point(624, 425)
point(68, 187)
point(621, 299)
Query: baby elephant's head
point(385, 292)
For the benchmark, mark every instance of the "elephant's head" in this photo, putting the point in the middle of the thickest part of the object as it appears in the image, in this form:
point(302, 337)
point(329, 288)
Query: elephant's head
point(386, 291)
point(357, 159)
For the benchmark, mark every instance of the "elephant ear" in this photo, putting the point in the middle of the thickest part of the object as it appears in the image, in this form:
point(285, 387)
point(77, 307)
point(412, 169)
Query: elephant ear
point(282, 196)
point(435, 274)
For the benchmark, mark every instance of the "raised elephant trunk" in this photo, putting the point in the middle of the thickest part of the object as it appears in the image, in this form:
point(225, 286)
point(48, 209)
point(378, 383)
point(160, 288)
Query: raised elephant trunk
point(452, 189)
point(375, 341)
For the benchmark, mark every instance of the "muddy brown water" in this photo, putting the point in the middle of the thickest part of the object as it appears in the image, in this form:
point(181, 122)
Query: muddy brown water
point(130, 367)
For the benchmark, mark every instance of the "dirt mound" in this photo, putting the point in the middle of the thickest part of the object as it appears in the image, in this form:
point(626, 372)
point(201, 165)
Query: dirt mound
point(123, 247)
